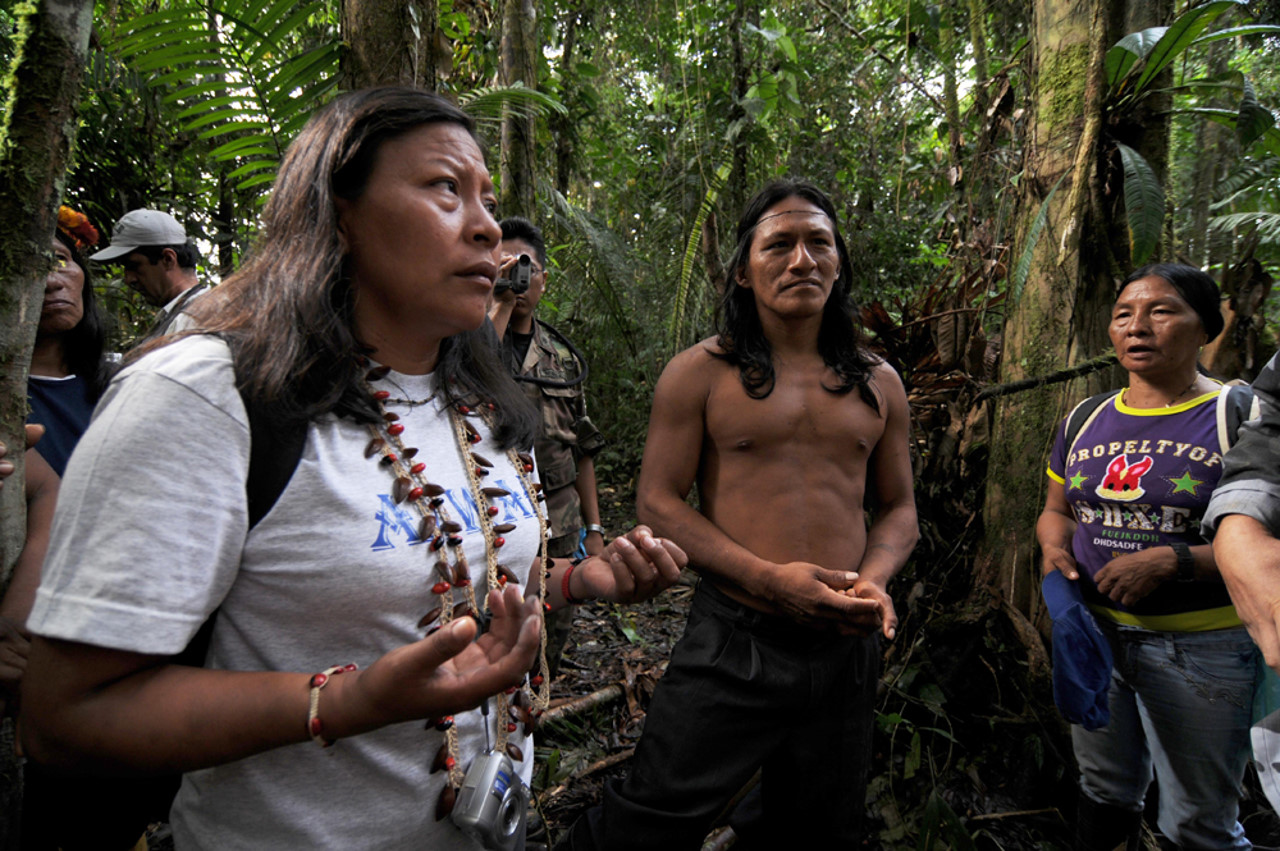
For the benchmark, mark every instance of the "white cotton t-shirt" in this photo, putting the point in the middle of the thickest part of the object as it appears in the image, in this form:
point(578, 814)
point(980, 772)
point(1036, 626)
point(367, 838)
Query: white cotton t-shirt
point(151, 536)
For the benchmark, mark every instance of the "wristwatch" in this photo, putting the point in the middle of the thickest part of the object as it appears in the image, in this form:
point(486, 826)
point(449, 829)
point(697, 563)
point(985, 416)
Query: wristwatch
point(1186, 562)
point(594, 527)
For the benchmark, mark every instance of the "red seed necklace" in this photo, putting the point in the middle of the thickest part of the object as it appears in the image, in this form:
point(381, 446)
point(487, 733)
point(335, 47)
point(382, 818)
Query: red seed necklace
point(451, 575)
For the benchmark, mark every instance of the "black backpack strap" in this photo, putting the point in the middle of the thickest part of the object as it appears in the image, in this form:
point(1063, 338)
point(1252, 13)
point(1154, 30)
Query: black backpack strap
point(275, 448)
point(1081, 414)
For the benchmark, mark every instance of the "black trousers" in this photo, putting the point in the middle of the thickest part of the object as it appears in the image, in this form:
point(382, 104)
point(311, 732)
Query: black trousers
point(747, 691)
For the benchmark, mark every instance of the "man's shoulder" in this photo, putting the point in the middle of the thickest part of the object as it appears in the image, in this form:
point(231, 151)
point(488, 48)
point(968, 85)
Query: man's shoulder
point(697, 369)
point(705, 353)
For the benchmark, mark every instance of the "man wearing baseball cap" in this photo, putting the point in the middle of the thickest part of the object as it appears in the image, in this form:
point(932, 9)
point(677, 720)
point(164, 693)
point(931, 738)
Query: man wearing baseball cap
point(159, 263)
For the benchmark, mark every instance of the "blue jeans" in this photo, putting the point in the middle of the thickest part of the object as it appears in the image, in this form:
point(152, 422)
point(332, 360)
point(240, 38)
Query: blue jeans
point(1181, 704)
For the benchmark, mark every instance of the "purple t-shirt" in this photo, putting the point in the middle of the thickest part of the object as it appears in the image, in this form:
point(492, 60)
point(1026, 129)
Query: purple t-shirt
point(1139, 478)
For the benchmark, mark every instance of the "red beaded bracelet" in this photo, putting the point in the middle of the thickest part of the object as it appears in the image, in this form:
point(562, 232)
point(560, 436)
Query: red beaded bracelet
point(564, 585)
point(315, 727)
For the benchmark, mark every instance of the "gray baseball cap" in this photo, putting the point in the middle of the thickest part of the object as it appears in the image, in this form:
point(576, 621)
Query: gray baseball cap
point(137, 228)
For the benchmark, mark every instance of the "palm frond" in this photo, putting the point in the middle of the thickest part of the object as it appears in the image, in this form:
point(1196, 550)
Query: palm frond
point(237, 73)
point(1266, 224)
point(486, 104)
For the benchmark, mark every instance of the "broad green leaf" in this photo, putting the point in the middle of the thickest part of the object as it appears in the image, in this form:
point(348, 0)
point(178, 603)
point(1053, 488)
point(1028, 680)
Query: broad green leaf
point(233, 127)
point(586, 69)
point(788, 47)
point(1253, 120)
point(256, 180)
point(1232, 32)
point(169, 57)
point(179, 75)
point(1128, 50)
point(247, 146)
point(1184, 30)
point(213, 116)
point(1022, 268)
point(1143, 204)
point(251, 167)
point(239, 101)
point(247, 149)
point(912, 762)
point(196, 92)
point(290, 24)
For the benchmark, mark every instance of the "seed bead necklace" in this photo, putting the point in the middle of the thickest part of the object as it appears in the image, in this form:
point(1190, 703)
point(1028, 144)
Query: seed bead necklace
point(517, 705)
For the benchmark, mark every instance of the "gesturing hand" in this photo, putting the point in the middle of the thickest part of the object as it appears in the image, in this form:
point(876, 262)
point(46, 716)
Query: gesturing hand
point(634, 567)
point(444, 673)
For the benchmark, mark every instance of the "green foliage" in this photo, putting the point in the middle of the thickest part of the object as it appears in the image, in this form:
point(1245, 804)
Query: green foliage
point(1133, 67)
point(941, 825)
point(1023, 267)
point(1143, 204)
point(486, 104)
point(238, 72)
point(676, 332)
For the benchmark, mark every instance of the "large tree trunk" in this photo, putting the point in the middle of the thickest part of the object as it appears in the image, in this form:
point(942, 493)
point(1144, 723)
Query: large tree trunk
point(1060, 317)
point(562, 126)
point(35, 145)
point(519, 65)
point(393, 43)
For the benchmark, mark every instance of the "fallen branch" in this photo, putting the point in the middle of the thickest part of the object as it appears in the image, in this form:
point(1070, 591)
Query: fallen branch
point(578, 705)
point(599, 765)
point(1077, 371)
point(1015, 814)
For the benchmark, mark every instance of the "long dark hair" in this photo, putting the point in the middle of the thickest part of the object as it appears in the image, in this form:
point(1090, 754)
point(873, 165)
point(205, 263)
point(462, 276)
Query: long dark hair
point(83, 345)
point(287, 314)
point(840, 339)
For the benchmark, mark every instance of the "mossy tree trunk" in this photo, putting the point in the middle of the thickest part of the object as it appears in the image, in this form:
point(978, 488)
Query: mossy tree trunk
point(519, 65)
point(1060, 317)
point(43, 93)
point(393, 43)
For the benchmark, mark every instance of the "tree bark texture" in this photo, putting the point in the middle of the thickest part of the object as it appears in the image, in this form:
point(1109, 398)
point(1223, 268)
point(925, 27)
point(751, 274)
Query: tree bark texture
point(519, 65)
point(1060, 318)
point(393, 43)
point(35, 145)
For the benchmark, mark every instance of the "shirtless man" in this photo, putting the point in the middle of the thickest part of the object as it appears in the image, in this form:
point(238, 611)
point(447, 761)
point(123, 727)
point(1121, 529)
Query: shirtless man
point(785, 423)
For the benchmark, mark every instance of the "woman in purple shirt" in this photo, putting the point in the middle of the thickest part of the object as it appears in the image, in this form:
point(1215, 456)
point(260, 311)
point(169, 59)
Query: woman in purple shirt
point(1122, 518)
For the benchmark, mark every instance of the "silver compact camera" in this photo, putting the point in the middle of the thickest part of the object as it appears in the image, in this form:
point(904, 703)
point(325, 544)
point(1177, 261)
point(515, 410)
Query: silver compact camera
point(492, 803)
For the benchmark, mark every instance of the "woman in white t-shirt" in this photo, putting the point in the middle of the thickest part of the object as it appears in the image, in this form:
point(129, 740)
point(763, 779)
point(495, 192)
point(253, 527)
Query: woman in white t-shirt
point(412, 511)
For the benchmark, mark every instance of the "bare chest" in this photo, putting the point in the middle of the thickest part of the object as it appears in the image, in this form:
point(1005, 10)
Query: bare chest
point(800, 418)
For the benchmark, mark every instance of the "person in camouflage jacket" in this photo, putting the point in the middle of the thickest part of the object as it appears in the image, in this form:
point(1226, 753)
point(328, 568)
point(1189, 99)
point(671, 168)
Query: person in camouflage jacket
point(553, 373)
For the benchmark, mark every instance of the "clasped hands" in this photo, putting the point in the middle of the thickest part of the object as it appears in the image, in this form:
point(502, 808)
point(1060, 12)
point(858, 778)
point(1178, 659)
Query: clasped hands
point(838, 600)
point(1126, 579)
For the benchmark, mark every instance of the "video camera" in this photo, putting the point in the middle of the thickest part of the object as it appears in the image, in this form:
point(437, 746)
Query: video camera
point(518, 276)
